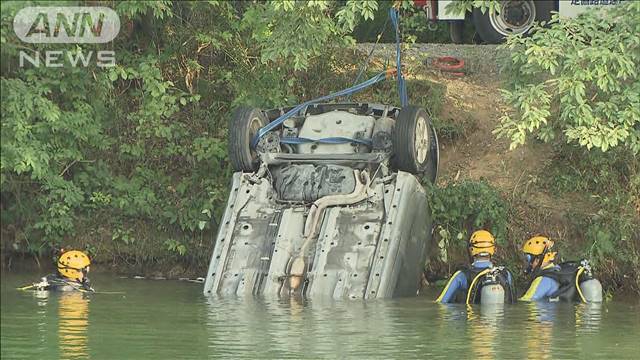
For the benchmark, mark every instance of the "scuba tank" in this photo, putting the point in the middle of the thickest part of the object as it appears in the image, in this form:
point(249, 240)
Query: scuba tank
point(492, 291)
point(576, 282)
point(488, 286)
point(591, 288)
point(492, 294)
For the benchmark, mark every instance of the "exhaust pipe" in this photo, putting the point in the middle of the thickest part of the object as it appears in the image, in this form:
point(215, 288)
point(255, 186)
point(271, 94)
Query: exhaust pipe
point(312, 224)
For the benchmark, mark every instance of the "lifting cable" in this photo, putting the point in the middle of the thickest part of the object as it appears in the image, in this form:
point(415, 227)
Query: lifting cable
point(402, 86)
point(364, 66)
point(402, 91)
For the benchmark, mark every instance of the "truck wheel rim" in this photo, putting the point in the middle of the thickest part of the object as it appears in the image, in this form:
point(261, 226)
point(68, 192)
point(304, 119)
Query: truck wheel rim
point(422, 140)
point(515, 17)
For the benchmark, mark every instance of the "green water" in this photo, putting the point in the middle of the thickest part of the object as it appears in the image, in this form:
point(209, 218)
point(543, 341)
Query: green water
point(173, 320)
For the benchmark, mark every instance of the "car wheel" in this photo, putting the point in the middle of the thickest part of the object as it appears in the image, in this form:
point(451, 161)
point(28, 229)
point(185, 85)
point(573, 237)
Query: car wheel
point(243, 127)
point(516, 17)
point(415, 143)
point(456, 31)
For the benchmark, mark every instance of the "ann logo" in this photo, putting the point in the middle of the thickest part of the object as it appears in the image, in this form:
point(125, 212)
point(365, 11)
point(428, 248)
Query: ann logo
point(66, 24)
point(81, 24)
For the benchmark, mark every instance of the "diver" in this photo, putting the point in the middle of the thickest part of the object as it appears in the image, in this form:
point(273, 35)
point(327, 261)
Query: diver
point(73, 267)
point(568, 281)
point(482, 282)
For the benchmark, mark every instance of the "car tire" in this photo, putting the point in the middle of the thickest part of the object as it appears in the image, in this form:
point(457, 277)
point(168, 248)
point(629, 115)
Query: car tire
point(456, 31)
point(493, 29)
point(243, 127)
point(415, 143)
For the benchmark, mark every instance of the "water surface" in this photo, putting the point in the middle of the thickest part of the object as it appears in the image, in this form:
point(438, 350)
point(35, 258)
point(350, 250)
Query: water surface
point(173, 320)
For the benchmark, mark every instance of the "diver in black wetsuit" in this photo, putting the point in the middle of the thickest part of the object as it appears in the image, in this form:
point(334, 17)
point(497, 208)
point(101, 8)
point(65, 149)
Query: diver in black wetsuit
point(73, 267)
point(466, 284)
point(567, 281)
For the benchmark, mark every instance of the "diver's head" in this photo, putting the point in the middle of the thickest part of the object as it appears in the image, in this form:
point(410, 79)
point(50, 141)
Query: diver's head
point(482, 245)
point(74, 265)
point(537, 252)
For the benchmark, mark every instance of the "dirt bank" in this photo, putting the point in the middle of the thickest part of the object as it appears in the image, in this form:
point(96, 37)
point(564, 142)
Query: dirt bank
point(473, 105)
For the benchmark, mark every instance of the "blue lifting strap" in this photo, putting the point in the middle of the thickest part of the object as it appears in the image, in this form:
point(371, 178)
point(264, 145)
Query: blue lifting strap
point(277, 122)
point(402, 86)
point(402, 91)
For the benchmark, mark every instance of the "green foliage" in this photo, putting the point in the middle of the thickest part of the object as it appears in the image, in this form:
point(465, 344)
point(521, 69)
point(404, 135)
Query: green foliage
point(460, 6)
point(610, 227)
point(414, 26)
point(460, 208)
point(100, 151)
point(421, 92)
point(175, 246)
point(577, 81)
point(291, 33)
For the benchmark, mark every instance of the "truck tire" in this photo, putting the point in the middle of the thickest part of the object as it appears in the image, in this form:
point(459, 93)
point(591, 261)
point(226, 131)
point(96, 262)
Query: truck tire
point(516, 17)
point(456, 31)
point(415, 144)
point(243, 126)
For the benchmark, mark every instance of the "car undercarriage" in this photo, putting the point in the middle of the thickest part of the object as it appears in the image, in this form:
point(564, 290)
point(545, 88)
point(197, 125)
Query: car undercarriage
point(329, 204)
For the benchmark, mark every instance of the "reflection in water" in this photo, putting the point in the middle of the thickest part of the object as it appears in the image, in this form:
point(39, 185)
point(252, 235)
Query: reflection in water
point(41, 313)
point(402, 328)
point(483, 326)
point(539, 332)
point(73, 320)
point(588, 326)
point(451, 312)
point(172, 320)
point(588, 317)
point(293, 328)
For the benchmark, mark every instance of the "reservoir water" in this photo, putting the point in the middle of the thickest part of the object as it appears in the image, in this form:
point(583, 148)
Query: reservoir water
point(162, 319)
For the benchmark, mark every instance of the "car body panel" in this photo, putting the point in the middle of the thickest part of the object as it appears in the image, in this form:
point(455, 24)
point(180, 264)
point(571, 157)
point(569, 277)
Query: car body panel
point(327, 213)
point(372, 249)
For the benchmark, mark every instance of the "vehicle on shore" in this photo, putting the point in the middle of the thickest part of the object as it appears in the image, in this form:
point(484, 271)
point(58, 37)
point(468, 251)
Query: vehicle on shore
point(326, 203)
point(515, 16)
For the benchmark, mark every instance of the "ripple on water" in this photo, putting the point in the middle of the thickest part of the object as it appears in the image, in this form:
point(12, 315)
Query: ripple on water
point(167, 319)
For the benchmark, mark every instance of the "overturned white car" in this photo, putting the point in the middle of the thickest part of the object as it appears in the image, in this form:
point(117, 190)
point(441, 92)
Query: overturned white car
point(326, 203)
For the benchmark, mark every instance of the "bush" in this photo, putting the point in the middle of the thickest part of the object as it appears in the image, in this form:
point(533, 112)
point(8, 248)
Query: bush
point(608, 223)
point(577, 81)
point(459, 208)
point(136, 154)
point(414, 26)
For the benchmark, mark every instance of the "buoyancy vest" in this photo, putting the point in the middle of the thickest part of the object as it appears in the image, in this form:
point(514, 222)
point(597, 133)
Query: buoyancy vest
point(565, 275)
point(498, 275)
point(54, 282)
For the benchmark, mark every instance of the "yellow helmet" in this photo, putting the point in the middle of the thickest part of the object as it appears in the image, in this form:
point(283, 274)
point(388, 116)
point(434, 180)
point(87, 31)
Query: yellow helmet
point(539, 245)
point(482, 243)
point(73, 264)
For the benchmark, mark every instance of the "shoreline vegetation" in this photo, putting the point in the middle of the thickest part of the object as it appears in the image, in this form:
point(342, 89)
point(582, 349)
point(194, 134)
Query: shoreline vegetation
point(130, 163)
